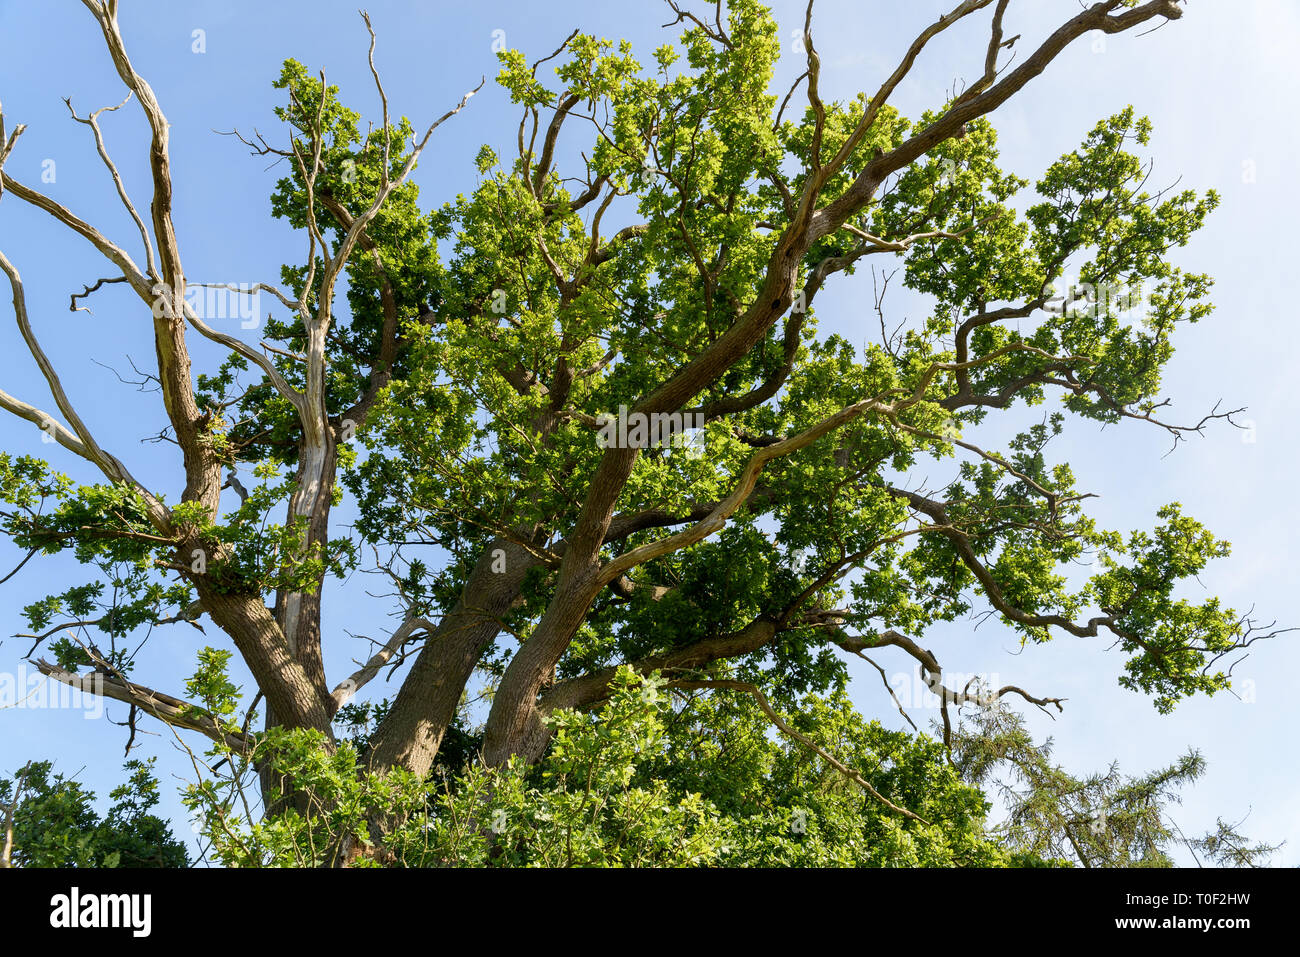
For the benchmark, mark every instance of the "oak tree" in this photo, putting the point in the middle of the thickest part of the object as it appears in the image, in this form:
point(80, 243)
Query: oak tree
point(586, 420)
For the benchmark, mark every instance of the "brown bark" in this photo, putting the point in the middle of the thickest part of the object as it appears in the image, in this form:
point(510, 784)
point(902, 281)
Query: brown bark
point(426, 704)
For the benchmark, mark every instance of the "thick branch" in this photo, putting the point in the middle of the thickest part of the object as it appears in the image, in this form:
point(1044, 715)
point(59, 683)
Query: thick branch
point(164, 707)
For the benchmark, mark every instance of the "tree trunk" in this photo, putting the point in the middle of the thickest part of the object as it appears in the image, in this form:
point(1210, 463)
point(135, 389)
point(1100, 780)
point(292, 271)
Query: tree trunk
point(426, 704)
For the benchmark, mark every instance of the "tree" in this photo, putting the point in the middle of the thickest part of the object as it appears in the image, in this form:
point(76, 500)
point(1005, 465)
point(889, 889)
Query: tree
point(50, 821)
point(645, 780)
point(666, 777)
point(597, 397)
point(1104, 820)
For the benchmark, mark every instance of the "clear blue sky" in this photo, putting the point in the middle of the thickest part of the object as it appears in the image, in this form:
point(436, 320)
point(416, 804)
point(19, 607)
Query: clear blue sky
point(1218, 86)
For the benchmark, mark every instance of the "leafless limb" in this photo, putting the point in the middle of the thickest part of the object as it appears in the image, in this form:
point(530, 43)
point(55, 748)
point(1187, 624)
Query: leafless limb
point(86, 291)
point(171, 710)
point(92, 121)
point(350, 686)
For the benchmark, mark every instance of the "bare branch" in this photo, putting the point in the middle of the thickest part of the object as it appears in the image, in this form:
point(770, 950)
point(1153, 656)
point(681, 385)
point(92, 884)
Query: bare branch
point(93, 122)
point(87, 290)
point(80, 441)
point(166, 708)
point(351, 685)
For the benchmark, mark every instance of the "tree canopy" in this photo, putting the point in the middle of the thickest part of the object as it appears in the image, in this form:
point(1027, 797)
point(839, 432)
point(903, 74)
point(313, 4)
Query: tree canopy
point(49, 820)
point(595, 442)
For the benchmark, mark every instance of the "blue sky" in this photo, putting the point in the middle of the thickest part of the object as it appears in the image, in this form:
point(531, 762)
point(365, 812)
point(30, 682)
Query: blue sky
point(1217, 86)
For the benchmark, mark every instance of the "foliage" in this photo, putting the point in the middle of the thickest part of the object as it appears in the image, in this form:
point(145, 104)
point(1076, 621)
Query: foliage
point(669, 260)
point(56, 825)
point(1107, 819)
point(646, 781)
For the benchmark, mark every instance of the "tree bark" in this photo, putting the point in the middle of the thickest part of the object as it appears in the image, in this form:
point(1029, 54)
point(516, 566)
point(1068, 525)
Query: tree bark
point(425, 707)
